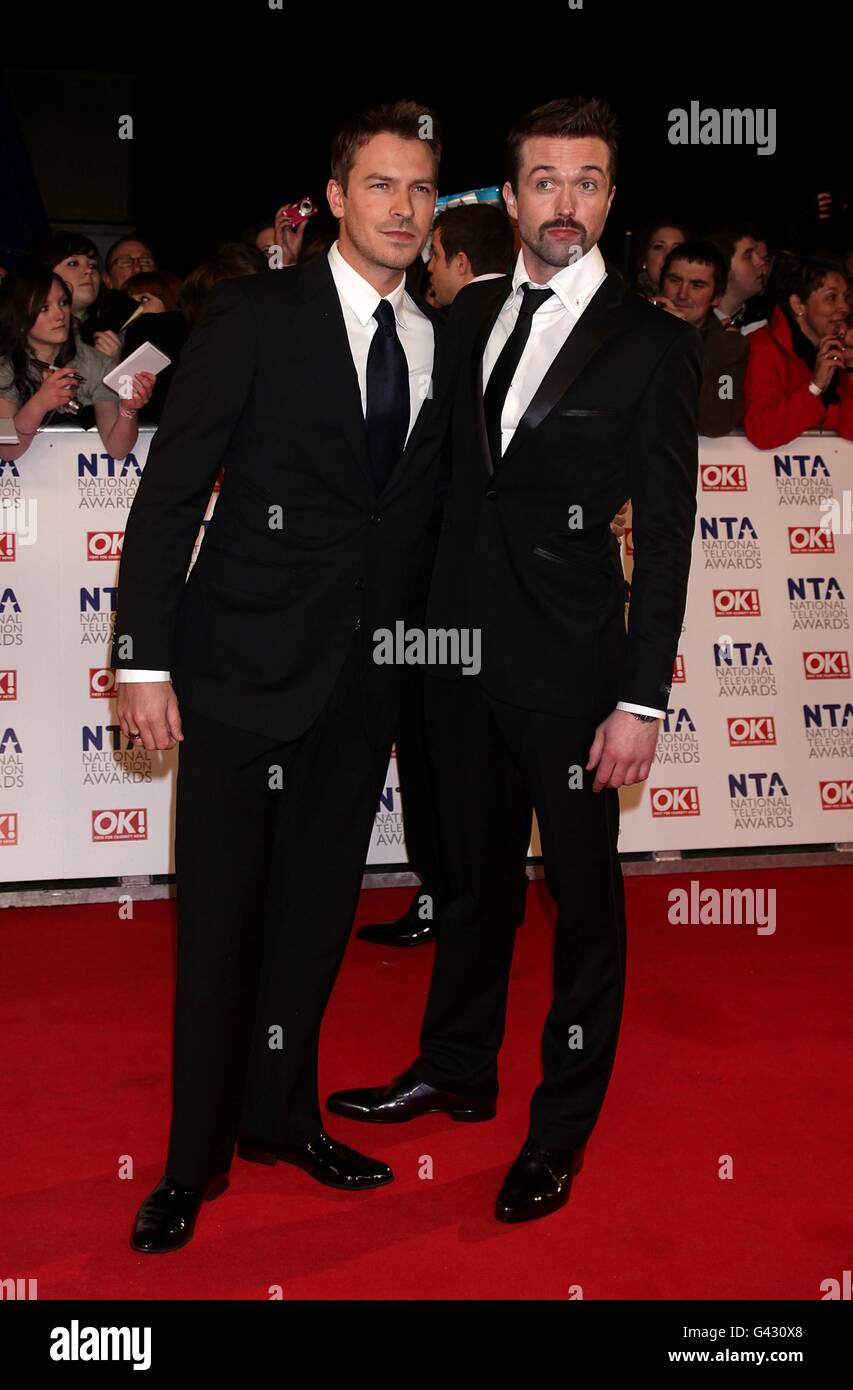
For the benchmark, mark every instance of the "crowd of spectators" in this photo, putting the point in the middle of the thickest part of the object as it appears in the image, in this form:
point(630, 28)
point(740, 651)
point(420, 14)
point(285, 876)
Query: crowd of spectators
point(775, 324)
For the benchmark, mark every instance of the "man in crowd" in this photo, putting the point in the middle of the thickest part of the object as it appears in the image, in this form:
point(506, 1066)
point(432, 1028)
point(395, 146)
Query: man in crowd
point(471, 242)
point(693, 281)
point(126, 257)
point(745, 254)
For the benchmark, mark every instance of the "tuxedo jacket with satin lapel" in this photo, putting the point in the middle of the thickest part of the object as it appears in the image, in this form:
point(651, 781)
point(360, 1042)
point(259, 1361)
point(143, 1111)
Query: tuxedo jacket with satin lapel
point(300, 552)
point(614, 417)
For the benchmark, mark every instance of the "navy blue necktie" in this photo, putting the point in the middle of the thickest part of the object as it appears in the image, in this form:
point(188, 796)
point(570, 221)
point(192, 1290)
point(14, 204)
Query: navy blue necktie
point(505, 367)
point(387, 418)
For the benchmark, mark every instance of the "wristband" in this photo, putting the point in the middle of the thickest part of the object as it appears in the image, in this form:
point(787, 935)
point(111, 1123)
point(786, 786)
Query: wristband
point(128, 414)
point(815, 389)
point(644, 718)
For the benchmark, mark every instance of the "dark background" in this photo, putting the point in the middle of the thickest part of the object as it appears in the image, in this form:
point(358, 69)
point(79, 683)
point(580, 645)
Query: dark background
point(234, 109)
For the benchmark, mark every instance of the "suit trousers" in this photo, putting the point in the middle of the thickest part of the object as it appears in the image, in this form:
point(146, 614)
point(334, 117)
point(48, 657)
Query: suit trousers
point(494, 763)
point(420, 809)
point(270, 844)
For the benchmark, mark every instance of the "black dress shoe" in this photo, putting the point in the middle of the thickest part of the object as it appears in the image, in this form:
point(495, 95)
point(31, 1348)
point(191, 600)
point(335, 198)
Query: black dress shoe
point(407, 1097)
point(166, 1219)
point(324, 1158)
point(406, 931)
point(538, 1182)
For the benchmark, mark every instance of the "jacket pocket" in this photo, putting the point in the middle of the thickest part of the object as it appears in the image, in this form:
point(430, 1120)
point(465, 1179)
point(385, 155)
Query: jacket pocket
point(257, 581)
point(549, 555)
point(583, 564)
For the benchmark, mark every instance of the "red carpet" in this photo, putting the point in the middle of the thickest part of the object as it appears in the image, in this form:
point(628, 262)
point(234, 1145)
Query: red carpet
point(732, 1044)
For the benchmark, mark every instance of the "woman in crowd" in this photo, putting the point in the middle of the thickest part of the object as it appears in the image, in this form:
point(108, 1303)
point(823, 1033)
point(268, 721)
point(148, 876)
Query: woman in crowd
point(45, 371)
point(276, 237)
point(230, 260)
point(655, 245)
point(798, 376)
point(155, 291)
point(76, 259)
point(158, 293)
point(171, 309)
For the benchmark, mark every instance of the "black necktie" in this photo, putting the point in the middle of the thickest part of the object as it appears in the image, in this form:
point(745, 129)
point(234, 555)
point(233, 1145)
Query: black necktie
point(505, 367)
point(387, 418)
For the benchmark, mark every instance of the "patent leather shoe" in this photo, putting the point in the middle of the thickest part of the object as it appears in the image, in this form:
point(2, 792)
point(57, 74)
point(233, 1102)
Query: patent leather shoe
point(407, 1097)
point(406, 931)
point(327, 1160)
point(166, 1220)
point(538, 1182)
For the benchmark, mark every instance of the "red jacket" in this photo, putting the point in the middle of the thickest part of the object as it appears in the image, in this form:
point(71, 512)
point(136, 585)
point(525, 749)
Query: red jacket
point(778, 402)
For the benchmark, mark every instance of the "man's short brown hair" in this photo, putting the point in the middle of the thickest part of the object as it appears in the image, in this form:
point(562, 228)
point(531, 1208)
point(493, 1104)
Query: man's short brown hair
point(482, 231)
point(575, 117)
point(408, 119)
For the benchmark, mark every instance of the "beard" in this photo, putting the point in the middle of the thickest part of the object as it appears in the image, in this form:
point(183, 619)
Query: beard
point(558, 252)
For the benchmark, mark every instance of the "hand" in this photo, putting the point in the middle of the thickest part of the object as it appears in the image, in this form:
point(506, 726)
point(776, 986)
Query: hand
point(848, 349)
point(108, 342)
point(143, 385)
point(618, 524)
point(150, 709)
point(290, 241)
point(830, 356)
point(667, 304)
point(57, 389)
point(622, 750)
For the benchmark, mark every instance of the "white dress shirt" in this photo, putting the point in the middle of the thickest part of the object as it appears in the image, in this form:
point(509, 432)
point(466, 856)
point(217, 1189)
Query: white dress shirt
point(358, 302)
point(573, 288)
point(747, 328)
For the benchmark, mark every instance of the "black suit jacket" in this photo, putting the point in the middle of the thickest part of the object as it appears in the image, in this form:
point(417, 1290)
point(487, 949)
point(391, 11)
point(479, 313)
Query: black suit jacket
point(266, 385)
point(614, 417)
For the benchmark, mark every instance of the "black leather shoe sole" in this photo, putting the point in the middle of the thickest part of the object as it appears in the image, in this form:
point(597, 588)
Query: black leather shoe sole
point(463, 1114)
point(255, 1153)
point(381, 935)
point(533, 1213)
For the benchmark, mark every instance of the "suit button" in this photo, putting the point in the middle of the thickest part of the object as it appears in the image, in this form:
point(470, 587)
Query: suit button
point(358, 624)
point(359, 583)
point(491, 494)
point(375, 518)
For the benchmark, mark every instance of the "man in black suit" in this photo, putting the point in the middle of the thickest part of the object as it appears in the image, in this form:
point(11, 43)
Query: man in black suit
point(320, 389)
point(579, 394)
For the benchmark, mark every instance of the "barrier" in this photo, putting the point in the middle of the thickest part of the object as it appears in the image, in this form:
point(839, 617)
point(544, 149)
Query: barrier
point(757, 745)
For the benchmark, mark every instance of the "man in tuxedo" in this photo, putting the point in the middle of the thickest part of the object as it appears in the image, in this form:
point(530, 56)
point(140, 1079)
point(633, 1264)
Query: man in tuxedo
point(579, 394)
point(320, 389)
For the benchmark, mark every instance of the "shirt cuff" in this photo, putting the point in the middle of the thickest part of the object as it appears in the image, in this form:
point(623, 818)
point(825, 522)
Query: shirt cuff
point(640, 709)
point(124, 675)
